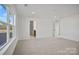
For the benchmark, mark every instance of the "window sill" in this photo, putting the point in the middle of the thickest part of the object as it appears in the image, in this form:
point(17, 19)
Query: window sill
point(5, 46)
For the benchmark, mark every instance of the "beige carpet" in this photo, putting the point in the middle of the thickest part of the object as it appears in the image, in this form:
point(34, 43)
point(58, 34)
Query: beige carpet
point(47, 46)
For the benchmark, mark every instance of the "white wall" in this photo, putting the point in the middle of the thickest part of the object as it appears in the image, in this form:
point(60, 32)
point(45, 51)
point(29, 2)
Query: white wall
point(44, 28)
point(44, 15)
point(69, 27)
point(23, 28)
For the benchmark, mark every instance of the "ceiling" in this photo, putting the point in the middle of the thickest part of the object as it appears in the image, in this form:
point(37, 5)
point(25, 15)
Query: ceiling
point(47, 10)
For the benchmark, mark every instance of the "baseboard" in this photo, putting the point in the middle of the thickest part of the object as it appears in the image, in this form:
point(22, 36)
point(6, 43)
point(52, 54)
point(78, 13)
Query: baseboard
point(68, 38)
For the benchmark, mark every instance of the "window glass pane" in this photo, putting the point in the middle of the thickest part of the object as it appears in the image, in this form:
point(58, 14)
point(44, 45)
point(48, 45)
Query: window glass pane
point(3, 25)
point(11, 20)
point(3, 34)
point(3, 14)
point(11, 31)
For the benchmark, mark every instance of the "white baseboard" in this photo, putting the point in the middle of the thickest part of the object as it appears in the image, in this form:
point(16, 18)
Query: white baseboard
point(74, 39)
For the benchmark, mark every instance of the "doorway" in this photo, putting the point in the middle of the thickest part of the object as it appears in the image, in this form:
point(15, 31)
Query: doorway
point(32, 29)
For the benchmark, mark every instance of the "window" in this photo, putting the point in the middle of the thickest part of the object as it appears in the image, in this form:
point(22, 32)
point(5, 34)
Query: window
point(3, 33)
point(11, 26)
point(3, 25)
point(7, 27)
